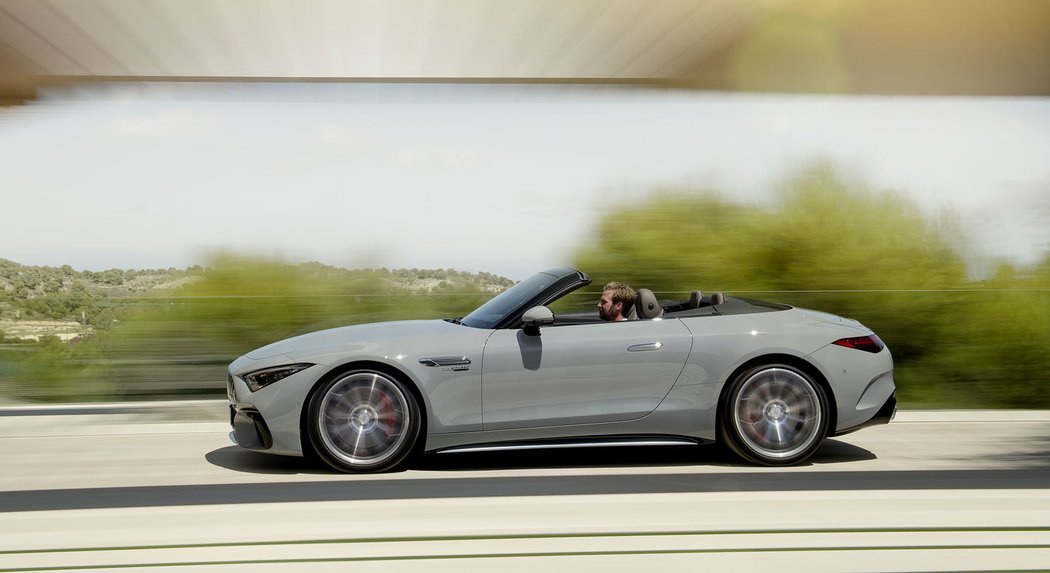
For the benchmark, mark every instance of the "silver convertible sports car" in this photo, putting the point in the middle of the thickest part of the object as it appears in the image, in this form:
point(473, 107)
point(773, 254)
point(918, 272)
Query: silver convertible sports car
point(766, 380)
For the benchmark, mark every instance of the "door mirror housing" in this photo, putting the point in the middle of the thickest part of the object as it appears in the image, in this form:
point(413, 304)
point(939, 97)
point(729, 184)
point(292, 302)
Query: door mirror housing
point(536, 317)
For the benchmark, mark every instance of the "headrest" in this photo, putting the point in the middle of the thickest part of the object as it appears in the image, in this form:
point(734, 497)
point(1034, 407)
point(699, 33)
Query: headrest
point(646, 304)
point(717, 298)
point(694, 299)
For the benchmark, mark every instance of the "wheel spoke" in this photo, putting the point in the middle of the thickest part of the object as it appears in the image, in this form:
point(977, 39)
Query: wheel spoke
point(389, 430)
point(356, 450)
point(778, 435)
point(372, 391)
point(342, 432)
point(795, 399)
point(763, 394)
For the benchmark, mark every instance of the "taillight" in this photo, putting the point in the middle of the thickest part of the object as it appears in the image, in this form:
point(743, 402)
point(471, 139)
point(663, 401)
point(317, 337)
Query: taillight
point(870, 343)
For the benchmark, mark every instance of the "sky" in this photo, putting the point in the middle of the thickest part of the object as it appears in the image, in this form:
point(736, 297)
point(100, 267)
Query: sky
point(500, 178)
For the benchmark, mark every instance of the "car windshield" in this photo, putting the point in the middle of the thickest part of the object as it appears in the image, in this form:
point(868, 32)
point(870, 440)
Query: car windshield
point(489, 314)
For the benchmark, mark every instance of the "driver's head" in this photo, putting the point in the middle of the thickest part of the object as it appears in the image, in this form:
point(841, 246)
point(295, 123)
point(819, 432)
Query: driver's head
point(617, 299)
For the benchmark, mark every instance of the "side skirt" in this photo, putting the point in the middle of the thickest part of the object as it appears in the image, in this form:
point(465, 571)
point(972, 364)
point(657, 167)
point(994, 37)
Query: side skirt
point(603, 442)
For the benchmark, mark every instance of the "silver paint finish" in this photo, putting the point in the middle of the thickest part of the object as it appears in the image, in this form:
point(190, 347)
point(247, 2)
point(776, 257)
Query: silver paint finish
point(861, 381)
point(573, 380)
point(687, 411)
point(451, 398)
point(580, 373)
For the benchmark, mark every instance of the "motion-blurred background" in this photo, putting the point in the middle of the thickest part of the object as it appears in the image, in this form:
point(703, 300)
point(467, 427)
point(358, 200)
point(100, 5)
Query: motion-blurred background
point(183, 181)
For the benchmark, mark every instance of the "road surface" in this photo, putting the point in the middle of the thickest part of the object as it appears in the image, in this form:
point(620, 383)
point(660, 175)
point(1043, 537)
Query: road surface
point(159, 488)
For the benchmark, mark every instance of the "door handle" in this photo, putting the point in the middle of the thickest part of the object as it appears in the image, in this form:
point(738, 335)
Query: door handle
point(645, 347)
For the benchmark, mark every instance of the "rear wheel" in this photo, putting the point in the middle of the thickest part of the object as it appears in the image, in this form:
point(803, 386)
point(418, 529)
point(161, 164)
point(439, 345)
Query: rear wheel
point(774, 415)
point(363, 421)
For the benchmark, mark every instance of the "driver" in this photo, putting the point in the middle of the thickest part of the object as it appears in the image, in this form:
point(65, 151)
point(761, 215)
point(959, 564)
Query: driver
point(616, 302)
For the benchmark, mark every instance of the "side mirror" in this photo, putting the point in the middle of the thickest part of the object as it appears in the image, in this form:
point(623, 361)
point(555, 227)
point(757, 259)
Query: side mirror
point(536, 317)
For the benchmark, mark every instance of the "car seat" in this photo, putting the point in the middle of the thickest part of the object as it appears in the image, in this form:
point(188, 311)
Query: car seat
point(694, 300)
point(646, 304)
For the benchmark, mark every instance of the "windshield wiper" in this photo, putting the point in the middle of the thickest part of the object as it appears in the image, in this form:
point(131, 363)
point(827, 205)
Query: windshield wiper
point(454, 320)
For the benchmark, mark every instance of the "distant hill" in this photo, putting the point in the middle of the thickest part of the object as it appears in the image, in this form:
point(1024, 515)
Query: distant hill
point(39, 301)
point(22, 282)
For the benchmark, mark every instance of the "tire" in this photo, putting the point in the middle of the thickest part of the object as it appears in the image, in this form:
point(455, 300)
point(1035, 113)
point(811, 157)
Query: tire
point(774, 415)
point(363, 421)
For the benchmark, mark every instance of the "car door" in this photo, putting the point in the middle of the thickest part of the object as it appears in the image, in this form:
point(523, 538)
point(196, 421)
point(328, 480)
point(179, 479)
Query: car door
point(578, 374)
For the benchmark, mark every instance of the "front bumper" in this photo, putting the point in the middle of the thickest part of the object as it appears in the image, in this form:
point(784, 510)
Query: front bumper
point(249, 429)
point(267, 420)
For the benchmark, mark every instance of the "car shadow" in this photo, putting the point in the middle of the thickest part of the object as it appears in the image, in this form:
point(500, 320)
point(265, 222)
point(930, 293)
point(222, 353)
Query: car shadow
point(246, 461)
point(837, 452)
point(238, 459)
point(830, 452)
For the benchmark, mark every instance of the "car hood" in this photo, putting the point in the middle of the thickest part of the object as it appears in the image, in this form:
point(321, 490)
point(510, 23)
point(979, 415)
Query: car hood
point(358, 337)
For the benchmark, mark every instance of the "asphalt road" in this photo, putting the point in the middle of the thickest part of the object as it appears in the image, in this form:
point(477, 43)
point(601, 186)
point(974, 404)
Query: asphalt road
point(159, 488)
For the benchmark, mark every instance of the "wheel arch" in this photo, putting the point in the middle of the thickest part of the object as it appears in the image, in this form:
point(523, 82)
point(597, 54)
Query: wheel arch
point(304, 436)
point(790, 360)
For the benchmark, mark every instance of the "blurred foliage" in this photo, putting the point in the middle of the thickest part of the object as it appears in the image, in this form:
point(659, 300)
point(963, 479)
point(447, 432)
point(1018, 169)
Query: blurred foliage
point(179, 343)
point(825, 243)
point(839, 247)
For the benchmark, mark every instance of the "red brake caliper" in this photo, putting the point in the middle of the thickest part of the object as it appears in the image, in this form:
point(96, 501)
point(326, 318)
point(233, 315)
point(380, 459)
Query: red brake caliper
point(386, 414)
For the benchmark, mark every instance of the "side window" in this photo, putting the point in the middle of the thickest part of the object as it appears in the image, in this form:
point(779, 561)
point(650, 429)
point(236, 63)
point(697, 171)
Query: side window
point(576, 308)
point(578, 302)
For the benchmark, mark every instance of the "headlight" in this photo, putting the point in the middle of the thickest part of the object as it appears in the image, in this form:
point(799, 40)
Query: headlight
point(265, 377)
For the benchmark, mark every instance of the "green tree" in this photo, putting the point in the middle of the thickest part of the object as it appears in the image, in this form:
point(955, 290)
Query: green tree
point(836, 245)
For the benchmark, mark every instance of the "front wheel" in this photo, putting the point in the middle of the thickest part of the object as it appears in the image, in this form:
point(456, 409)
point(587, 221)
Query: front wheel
point(774, 415)
point(363, 421)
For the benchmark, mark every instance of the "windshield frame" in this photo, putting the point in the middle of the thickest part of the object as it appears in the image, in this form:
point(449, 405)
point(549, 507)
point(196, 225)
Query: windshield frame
point(539, 289)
